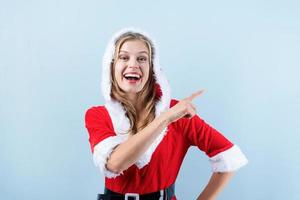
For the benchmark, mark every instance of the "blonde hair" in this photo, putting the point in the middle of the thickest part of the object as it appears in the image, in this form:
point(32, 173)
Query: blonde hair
point(147, 96)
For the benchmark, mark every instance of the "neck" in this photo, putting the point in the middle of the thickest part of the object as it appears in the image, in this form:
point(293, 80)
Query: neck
point(133, 99)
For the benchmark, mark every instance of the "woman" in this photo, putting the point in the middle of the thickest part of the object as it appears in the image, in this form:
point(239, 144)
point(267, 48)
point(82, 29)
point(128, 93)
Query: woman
point(140, 136)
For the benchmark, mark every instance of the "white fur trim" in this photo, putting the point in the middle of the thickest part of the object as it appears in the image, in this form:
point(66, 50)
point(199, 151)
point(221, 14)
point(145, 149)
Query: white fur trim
point(115, 109)
point(116, 112)
point(102, 152)
point(229, 160)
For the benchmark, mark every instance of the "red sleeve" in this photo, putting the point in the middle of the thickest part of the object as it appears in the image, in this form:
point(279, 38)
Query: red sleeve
point(199, 133)
point(98, 124)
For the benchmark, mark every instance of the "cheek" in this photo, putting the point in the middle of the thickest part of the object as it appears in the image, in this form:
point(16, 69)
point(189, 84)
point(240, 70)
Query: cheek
point(118, 72)
point(146, 75)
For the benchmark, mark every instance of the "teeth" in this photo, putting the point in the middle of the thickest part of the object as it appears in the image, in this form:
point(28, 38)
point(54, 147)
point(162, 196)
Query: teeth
point(132, 75)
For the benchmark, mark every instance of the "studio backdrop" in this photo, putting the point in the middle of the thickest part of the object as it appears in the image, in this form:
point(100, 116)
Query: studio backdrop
point(245, 54)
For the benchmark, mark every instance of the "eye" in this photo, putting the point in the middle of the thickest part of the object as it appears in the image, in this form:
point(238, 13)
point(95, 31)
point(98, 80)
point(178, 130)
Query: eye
point(123, 57)
point(142, 58)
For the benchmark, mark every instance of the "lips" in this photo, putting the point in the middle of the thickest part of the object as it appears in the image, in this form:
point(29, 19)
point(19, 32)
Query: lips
point(132, 76)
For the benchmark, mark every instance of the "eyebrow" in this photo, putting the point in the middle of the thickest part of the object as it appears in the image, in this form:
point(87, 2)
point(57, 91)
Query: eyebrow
point(138, 52)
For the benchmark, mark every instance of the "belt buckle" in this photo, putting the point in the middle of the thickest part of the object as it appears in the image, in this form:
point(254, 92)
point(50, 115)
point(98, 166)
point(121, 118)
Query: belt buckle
point(161, 195)
point(136, 196)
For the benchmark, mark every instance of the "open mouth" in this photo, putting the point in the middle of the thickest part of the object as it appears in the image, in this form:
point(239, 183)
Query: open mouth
point(132, 77)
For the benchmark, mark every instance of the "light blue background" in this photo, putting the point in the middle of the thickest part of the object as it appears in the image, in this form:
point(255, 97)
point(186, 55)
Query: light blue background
point(245, 54)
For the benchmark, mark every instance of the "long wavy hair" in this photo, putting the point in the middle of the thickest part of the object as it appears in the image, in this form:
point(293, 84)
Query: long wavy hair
point(146, 98)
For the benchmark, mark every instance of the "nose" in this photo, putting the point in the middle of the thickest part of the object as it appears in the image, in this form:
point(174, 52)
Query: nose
point(133, 63)
point(134, 66)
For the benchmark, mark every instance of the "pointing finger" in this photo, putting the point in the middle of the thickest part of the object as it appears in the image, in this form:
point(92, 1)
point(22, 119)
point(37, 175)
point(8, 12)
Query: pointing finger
point(194, 95)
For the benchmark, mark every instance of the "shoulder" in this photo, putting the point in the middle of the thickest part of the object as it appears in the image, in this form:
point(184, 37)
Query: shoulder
point(96, 111)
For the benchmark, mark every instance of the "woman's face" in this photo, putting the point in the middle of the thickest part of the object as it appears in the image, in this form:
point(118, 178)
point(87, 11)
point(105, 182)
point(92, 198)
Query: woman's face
point(132, 66)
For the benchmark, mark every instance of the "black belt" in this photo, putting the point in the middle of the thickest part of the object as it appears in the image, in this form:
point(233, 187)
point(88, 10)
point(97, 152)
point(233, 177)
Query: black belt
point(165, 194)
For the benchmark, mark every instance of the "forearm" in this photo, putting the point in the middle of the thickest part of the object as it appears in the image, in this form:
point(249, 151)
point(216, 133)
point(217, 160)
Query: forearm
point(215, 185)
point(127, 153)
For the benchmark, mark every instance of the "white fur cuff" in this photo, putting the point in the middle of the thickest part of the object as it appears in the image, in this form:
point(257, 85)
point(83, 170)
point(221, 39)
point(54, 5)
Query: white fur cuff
point(102, 152)
point(229, 160)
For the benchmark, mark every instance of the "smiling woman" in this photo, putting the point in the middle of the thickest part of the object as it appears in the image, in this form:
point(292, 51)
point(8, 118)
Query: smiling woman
point(140, 137)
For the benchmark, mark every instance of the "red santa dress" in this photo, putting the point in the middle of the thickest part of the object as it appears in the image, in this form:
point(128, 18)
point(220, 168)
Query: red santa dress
point(158, 167)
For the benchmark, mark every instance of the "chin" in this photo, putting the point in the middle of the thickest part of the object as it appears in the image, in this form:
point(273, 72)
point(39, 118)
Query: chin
point(132, 91)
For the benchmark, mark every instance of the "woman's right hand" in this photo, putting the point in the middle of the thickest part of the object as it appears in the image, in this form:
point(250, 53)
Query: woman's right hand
point(183, 108)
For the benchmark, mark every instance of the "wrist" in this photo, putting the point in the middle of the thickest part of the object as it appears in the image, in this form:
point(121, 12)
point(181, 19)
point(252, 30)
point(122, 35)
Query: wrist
point(164, 118)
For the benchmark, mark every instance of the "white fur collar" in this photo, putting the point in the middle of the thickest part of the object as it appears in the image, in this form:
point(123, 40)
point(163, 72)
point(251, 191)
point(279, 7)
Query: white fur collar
point(117, 113)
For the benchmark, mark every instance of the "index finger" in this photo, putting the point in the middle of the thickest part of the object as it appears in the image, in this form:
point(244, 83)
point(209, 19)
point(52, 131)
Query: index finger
point(194, 95)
